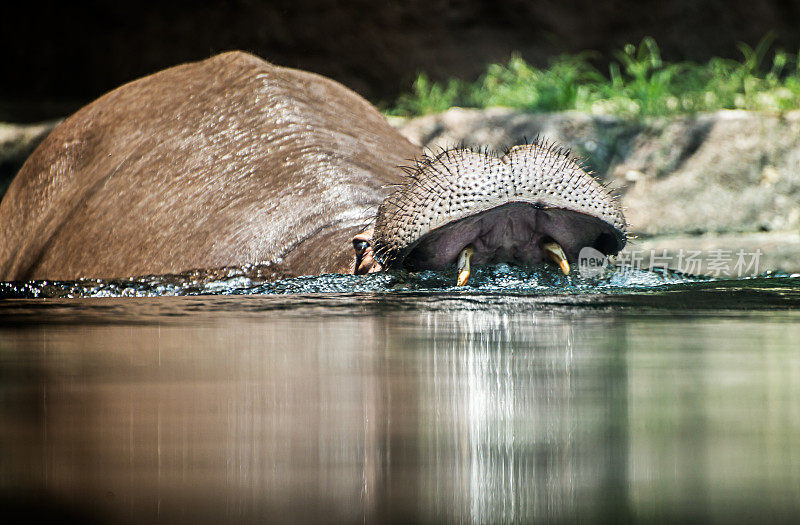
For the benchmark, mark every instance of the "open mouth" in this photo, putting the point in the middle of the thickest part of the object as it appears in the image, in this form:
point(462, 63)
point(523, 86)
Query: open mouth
point(464, 208)
point(516, 233)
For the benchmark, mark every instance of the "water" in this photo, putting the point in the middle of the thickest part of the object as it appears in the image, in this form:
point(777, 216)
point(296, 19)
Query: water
point(526, 397)
point(260, 280)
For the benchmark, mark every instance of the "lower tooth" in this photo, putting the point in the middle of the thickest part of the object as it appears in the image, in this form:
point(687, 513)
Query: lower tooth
point(556, 253)
point(463, 265)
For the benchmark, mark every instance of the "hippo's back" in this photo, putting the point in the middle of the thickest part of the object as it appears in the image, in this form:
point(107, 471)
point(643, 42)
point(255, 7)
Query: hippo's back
point(222, 162)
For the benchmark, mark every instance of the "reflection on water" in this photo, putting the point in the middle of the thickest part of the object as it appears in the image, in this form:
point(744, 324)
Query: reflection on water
point(426, 408)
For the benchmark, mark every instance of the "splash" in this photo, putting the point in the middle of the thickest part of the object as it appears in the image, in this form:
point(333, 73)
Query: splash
point(250, 280)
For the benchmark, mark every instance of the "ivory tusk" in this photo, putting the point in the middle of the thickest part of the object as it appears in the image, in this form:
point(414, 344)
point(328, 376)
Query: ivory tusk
point(463, 265)
point(556, 253)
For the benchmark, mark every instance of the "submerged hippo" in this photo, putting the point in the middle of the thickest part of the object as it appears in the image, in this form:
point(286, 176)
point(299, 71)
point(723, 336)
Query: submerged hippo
point(232, 161)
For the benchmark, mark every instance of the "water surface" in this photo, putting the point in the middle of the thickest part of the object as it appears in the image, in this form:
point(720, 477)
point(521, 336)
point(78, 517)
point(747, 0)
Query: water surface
point(527, 397)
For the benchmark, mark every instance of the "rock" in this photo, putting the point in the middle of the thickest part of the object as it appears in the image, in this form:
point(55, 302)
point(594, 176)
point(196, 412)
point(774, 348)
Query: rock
point(726, 172)
point(17, 141)
point(733, 255)
point(599, 140)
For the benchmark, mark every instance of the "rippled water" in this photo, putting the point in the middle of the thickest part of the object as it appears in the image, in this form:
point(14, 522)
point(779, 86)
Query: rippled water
point(525, 397)
point(251, 280)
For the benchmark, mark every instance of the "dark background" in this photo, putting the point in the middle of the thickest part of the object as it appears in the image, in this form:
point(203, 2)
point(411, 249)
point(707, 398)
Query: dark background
point(59, 55)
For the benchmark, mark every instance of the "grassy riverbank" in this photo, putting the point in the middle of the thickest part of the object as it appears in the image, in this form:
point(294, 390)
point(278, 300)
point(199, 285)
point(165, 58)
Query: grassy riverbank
point(638, 83)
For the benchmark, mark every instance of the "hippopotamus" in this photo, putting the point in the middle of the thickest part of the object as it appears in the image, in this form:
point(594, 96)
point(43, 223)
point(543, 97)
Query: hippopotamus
point(233, 161)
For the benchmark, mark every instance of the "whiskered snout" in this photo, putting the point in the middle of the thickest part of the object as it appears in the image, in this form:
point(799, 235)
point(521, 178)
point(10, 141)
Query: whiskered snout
point(465, 208)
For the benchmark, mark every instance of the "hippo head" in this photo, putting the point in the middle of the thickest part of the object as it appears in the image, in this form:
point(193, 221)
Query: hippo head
point(464, 208)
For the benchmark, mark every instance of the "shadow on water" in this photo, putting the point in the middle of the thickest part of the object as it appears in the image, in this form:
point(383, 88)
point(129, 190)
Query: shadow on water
point(556, 401)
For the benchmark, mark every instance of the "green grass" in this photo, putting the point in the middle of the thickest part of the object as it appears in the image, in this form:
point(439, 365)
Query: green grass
point(638, 83)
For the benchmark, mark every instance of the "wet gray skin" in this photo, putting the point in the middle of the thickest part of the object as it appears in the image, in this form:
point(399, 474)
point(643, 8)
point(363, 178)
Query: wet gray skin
point(502, 209)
